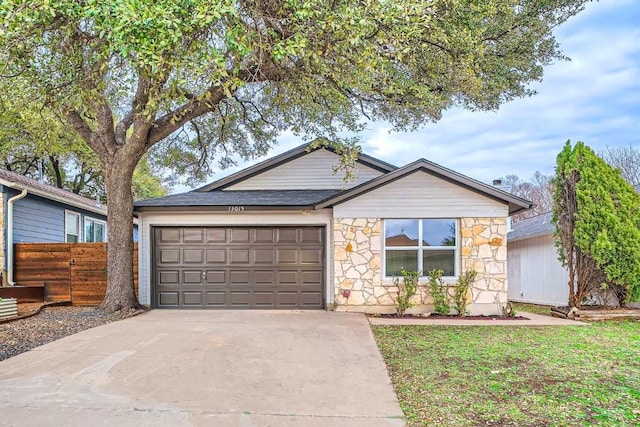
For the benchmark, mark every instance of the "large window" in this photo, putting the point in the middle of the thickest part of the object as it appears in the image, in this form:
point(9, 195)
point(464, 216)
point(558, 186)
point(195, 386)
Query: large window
point(72, 227)
point(420, 244)
point(94, 230)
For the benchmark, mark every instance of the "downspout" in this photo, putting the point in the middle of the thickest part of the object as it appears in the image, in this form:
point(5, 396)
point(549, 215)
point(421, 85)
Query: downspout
point(15, 198)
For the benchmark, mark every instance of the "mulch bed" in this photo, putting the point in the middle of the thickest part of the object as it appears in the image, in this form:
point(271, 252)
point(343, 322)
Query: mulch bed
point(435, 316)
point(52, 323)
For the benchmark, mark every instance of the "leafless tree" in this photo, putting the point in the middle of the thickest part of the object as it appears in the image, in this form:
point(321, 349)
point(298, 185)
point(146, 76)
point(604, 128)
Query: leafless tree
point(537, 189)
point(626, 160)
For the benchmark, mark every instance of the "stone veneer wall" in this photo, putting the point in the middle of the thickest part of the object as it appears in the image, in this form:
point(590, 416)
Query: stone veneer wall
point(359, 285)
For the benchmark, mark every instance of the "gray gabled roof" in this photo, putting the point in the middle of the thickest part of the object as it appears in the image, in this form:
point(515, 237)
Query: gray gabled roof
point(285, 157)
point(536, 226)
point(249, 198)
point(516, 204)
point(41, 189)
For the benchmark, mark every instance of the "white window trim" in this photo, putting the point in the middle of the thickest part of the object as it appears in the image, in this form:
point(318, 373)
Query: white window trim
point(419, 248)
point(95, 220)
point(80, 225)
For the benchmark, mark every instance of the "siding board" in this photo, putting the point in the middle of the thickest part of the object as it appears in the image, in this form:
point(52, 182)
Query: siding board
point(313, 171)
point(535, 274)
point(420, 195)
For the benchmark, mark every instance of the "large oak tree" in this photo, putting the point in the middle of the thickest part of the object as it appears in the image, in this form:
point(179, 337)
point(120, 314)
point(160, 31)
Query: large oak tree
point(231, 75)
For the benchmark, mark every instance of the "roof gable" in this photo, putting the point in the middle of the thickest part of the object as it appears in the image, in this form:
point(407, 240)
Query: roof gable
point(307, 158)
point(516, 204)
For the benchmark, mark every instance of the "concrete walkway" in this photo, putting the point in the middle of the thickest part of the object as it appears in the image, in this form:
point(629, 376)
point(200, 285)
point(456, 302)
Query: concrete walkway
point(208, 368)
point(533, 320)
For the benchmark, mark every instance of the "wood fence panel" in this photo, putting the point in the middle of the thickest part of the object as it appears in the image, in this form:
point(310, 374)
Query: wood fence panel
point(74, 272)
point(44, 264)
point(88, 273)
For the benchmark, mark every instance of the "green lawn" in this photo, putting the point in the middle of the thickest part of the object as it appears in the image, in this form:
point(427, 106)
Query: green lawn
point(532, 308)
point(515, 376)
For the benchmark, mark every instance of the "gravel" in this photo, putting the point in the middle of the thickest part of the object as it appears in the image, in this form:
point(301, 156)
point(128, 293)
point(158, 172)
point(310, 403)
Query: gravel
point(51, 324)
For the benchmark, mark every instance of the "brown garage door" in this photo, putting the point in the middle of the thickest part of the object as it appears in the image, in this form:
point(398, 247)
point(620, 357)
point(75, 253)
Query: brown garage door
point(239, 267)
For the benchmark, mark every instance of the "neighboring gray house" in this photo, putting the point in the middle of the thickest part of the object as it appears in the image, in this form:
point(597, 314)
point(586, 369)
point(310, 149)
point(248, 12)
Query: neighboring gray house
point(35, 212)
point(535, 274)
point(290, 233)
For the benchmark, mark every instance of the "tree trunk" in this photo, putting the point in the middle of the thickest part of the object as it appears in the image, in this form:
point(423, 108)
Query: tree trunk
point(120, 293)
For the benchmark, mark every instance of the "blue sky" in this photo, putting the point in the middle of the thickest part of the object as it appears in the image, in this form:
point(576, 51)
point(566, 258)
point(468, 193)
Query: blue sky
point(594, 98)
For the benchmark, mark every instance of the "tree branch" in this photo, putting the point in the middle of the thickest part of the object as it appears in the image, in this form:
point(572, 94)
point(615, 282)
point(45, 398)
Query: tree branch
point(170, 122)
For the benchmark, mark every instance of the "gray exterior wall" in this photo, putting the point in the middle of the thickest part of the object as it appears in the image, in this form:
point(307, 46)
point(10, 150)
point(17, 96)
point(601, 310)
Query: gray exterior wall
point(37, 220)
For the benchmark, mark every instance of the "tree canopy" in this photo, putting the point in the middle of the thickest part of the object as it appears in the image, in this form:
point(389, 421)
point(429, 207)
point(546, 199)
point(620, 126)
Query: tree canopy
point(597, 214)
point(35, 141)
point(224, 78)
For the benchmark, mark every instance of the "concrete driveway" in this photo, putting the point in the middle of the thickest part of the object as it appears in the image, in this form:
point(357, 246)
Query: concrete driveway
point(209, 368)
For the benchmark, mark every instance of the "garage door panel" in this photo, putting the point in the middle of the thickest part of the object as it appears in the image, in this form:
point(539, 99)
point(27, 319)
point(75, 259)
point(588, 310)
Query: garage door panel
point(191, 298)
point(239, 256)
point(216, 277)
point(264, 235)
point(169, 256)
point(287, 256)
point(191, 277)
point(216, 298)
point(238, 267)
point(216, 235)
point(193, 235)
point(311, 235)
point(264, 277)
point(310, 256)
point(287, 299)
point(168, 299)
point(170, 277)
point(216, 256)
point(287, 235)
point(287, 277)
point(240, 235)
point(264, 298)
point(263, 256)
point(311, 277)
point(239, 277)
point(239, 298)
point(168, 235)
point(193, 256)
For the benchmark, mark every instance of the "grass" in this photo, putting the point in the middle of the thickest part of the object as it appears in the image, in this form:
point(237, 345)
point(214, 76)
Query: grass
point(515, 376)
point(532, 308)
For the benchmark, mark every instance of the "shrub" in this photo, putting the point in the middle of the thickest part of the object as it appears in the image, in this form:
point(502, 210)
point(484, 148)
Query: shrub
point(407, 288)
point(461, 289)
point(438, 290)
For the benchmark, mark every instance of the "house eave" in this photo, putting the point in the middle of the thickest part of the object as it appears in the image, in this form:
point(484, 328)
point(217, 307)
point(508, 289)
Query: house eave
point(48, 196)
point(231, 209)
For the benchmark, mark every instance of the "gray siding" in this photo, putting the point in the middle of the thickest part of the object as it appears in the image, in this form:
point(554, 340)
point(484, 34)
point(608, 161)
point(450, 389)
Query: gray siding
point(36, 220)
point(313, 171)
point(535, 275)
point(39, 220)
point(421, 195)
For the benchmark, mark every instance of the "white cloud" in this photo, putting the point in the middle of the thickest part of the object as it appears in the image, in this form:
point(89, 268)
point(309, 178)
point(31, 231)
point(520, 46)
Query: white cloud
point(595, 98)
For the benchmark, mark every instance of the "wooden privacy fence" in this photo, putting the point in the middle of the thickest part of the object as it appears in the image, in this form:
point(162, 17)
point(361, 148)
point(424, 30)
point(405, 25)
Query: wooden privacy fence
point(75, 272)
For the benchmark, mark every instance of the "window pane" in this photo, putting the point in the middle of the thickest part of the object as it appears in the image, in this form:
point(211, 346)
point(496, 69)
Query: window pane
point(438, 232)
point(397, 260)
point(439, 260)
point(88, 231)
point(72, 224)
point(72, 239)
point(99, 232)
point(401, 232)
